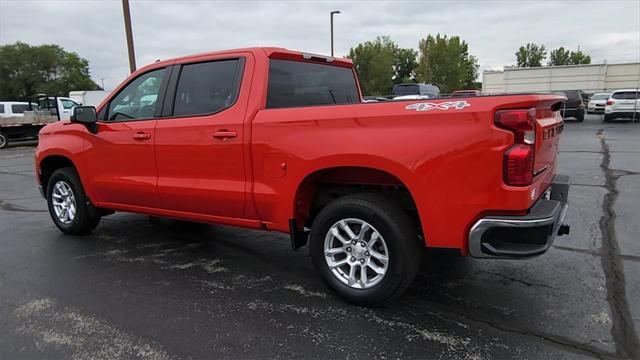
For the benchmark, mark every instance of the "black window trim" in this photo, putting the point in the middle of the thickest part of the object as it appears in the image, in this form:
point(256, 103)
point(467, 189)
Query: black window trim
point(353, 73)
point(170, 97)
point(163, 87)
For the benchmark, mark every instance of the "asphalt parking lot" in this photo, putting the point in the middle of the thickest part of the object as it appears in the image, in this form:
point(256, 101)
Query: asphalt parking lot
point(157, 288)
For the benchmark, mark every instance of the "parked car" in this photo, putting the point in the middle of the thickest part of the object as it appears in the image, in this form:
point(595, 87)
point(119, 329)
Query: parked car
point(15, 108)
point(415, 91)
point(597, 103)
point(574, 106)
point(59, 104)
point(623, 104)
point(274, 139)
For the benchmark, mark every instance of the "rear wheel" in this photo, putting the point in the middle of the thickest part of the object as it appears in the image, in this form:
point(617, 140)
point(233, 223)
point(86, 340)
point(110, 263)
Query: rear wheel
point(365, 248)
point(4, 140)
point(68, 204)
point(607, 118)
point(580, 117)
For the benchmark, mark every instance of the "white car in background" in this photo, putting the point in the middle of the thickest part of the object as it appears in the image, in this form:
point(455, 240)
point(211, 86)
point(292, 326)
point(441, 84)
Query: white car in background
point(623, 103)
point(15, 108)
point(597, 103)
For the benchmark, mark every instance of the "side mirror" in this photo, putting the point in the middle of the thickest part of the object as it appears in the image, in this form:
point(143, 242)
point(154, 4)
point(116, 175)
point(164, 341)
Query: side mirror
point(85, 115)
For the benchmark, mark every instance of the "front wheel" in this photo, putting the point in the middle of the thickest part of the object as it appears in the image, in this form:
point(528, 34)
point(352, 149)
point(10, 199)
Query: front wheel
point(580, 117)
point(68, 205)
point(365, 248)
point(4, 140)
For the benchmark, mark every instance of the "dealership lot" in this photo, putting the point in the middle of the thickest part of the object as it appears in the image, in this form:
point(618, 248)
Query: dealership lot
point(158, 288)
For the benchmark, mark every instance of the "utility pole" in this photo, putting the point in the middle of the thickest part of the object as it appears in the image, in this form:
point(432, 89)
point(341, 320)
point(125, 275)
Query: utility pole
point(127, 28)
point(331, 16)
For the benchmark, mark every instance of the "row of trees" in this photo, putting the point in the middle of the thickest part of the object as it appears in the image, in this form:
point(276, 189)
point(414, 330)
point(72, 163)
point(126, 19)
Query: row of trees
point(439, 60)
point(532, 55)
point(26, 71)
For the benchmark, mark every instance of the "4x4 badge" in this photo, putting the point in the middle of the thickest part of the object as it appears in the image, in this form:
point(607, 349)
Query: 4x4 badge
point(425, 106)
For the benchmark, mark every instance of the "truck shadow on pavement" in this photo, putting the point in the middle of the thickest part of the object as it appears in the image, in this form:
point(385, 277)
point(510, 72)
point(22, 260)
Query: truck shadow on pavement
point(452, 303)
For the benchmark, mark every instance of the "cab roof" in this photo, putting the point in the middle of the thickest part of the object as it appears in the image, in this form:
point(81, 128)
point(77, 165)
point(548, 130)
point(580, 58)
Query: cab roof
point(270, 52)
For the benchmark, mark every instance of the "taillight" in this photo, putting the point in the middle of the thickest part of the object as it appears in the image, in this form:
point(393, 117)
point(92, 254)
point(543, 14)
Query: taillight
point(610, 102)
point(518, 159)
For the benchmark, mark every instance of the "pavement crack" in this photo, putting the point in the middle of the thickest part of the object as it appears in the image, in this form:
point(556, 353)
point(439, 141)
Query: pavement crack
point(520, 281)
point(552, 339)
point(623, 329)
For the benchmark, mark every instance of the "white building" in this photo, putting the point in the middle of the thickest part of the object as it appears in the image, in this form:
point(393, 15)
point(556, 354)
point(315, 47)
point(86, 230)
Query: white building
point(589, 78)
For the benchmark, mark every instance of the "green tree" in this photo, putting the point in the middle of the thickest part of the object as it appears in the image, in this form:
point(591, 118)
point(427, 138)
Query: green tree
point(559, 56)
point(578, 57)
point(531, 55)
point(26, 71)
point(374, 62)
point(445, 61)
point(404, 64)
point(562, 56)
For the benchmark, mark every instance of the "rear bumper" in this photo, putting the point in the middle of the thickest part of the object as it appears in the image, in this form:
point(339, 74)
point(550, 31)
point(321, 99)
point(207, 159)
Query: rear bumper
point(525, 236)
point(622, 114)
point(571, 112)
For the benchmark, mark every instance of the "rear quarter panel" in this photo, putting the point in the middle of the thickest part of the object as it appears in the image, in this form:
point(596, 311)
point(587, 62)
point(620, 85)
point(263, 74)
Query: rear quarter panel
point(449, 160)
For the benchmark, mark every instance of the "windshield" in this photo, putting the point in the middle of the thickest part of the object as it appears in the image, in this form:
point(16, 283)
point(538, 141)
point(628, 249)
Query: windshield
point(603, 96)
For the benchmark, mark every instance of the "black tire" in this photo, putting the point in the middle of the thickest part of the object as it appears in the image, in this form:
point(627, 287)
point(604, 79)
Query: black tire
point(607, 118)
point(580, 117)
point(4, 140)
point(401, 238)
point(86, 216)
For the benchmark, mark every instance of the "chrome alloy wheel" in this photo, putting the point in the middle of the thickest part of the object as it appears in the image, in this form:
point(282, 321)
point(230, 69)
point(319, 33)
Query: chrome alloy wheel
point(64, 203)
point(356, 253)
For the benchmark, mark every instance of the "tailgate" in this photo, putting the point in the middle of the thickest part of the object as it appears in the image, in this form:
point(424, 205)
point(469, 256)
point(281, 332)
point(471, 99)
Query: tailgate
point(549, 125)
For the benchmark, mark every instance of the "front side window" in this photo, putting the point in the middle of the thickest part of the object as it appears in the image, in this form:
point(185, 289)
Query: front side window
point(207, 88)
point(297, 83)
point(68, 104)
point(138, 100)
point(1, 108)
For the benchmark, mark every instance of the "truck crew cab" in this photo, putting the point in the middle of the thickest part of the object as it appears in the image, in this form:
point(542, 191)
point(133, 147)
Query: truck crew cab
point(273, 139)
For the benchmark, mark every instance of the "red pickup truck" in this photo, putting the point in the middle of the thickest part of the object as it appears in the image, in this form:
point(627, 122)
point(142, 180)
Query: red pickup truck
point(273, 139)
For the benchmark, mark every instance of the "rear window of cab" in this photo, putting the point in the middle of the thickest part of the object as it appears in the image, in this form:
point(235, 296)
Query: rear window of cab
point(298, 84)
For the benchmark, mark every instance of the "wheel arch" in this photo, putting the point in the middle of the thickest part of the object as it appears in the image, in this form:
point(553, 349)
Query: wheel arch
point(316, 189)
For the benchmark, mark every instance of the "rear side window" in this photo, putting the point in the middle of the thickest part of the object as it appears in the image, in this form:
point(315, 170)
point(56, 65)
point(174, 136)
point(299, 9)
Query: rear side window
point(626, 95)
point(19, 108)
point(297, 83)
point(1, 108)
point(207, 88)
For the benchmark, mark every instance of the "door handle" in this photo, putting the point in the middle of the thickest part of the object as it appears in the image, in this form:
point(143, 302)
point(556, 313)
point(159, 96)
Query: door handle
point(225, 134)
point(142, 136)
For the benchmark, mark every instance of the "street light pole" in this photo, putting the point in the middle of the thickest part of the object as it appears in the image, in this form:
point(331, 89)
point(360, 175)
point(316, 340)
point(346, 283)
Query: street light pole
point(331, 16)
point(127, 28)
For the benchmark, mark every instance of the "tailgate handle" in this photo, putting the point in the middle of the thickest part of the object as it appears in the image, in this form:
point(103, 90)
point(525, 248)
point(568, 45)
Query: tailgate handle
point(225, 134)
